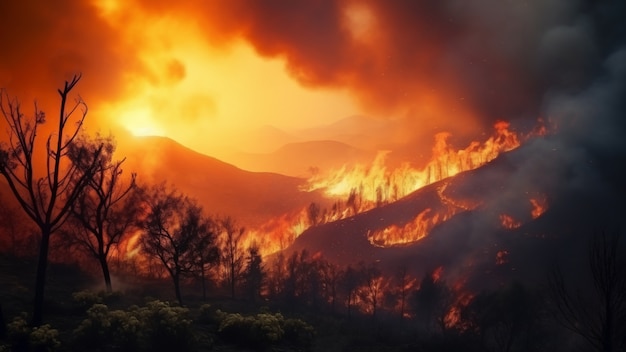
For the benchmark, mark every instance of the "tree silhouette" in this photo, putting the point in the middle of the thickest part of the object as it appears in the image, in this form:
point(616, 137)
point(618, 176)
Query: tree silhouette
point(600, 318)
point(171, 228)
point(254, 274)
point(47, 191)
point(232, 252)
point(432, 302)
point(372, 290)
point(504, 320)
point(106, 209)
point(205, 253)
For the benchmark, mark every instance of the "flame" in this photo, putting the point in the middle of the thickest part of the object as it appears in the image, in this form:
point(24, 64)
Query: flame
point(376, 185)
point(508, 222)
point(437, 274)
point(540, 205)
point(502, 257)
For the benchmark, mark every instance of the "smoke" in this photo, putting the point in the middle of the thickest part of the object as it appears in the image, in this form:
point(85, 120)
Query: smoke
point(446, 65)
point(45, 43)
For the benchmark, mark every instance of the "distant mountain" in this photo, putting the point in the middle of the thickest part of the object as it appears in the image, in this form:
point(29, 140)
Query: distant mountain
point(264, 139)
point(359, 131)
point(300, 159)
point(250, 197)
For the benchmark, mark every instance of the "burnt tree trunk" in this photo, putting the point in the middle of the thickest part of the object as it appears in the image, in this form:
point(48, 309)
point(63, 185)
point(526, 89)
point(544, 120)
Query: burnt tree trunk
point(105, 271)
point(40, 283)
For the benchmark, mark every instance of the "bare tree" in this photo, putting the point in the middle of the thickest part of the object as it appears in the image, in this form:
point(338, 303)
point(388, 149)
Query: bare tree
point(432, 302)
point(600, 318)
point(331, 274)
point(403, 286)
point(104, 212)
point(46, 191)
point(372, 289)
point(232, 252)
point(171, 228)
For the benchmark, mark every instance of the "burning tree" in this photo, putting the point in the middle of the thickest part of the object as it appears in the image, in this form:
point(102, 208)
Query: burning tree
point(45, 193)
point(172, 229)
point(103, 213)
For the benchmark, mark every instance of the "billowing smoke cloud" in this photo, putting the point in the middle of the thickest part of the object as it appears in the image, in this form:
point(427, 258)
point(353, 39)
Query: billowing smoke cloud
point(45, 43)
point(450, 65)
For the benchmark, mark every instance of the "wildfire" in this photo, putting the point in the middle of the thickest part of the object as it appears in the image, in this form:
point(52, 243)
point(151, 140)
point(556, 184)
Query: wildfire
point(540, 205)
point(502, 257)
point(413, 231)
point(508, 222)
point(376, 184)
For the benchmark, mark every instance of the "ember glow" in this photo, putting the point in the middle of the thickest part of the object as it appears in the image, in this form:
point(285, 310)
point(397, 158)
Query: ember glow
point(508, 222)
point(540, 205)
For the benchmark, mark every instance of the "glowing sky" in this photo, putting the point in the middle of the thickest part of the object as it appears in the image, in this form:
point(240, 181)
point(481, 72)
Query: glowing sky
point(203, 72)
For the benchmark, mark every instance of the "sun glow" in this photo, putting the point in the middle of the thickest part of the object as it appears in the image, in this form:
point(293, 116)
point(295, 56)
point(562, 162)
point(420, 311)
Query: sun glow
point(203, 94)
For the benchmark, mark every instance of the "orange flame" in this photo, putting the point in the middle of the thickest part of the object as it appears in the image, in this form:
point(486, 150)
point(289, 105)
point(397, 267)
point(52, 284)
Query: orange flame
point(540, 205)
point(502, 257)
point(376, 184)
point(508, 222)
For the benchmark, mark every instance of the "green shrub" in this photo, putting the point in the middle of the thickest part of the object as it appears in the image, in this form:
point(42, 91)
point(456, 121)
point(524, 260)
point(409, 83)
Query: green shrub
point(166, 327)
point(206, 314)
point(156, 327)
point(22, 338)
point(18, 333)
point(87, 298)
point(299, 333)
point(263, 330)
point(45, 338)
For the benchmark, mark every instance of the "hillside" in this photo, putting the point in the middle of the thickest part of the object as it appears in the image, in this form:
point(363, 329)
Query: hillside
point(473, 244)
point(250, 197)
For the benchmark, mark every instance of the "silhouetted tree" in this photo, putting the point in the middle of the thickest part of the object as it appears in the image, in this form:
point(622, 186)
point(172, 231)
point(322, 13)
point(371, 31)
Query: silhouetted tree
point(600, 318)
point(232, 252)
point(505, 320)
point(350, 282)
point(104, 212)
point(171, 227)
point(46, 195)
point(372, 290)
point(276, 276)
point(432, 301)
point(205, 253)
point(331, 276)
point(254, 273)
point(402, 288)
point(313, 212)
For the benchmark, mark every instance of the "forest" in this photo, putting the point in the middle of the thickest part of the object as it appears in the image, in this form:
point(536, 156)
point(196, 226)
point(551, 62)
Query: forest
point(95, 259)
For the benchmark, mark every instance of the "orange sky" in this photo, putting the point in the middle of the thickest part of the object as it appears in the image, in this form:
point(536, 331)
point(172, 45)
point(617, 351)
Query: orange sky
point(204, 72)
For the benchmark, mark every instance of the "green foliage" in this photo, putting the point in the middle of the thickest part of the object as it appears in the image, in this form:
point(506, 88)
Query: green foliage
point(155, 327)
point(45, 338)
point(263, 330)
point(87, 298)
point(166, 327)
point(206, 314)
point(22, 338)
point(298, 333)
